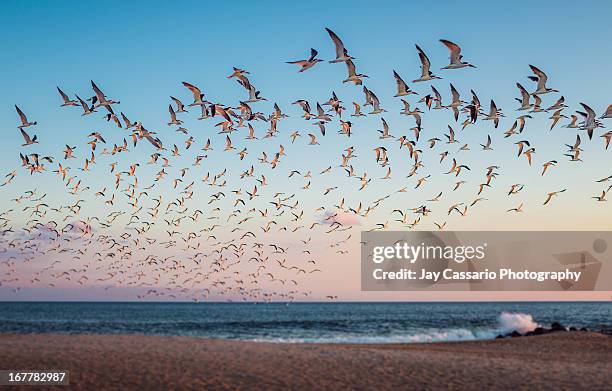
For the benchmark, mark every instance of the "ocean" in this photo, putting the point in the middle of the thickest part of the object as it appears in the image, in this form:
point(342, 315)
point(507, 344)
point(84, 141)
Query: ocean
point(302, 322)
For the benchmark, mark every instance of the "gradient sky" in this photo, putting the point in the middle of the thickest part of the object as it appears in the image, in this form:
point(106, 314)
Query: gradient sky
point(140, 52)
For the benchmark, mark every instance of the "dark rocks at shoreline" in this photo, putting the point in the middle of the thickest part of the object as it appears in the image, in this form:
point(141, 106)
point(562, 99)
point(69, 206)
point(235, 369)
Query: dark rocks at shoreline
point(557, 327)
point(554, 328)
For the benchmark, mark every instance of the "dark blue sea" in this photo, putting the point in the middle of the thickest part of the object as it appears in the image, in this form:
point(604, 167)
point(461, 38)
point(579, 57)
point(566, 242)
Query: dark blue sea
point(302, 322)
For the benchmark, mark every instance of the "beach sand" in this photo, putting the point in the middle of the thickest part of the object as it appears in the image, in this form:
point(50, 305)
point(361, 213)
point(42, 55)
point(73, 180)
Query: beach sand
point(560, 361)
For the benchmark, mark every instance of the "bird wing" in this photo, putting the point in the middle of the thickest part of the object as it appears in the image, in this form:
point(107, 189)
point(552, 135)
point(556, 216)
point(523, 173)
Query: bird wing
point(374, 98)
point(351, 68)
point(385, 126)
point(26, 136)
point(493, 109)
point(320, 109)
point(524, 93)
point(437, 94)
point(179, 104)
point(340, 50)
point(541, 76)
point(125, 119)
point(548, 198)
point(401, 84)
point(454, 93)
point(64, 96)
point(155, 142)
point(22, 116)
point(194, 90)
point(425, 63)
point(538, 101)
point(220, 110)
point(455, 51)
point(300, 62)
point(98, 92)
point(590, 111)
point(313, 54)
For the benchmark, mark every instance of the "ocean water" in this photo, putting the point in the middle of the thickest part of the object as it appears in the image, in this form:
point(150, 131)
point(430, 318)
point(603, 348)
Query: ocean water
point(302, 322)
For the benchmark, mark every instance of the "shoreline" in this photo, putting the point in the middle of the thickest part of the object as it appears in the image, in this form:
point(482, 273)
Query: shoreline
point(566, 360)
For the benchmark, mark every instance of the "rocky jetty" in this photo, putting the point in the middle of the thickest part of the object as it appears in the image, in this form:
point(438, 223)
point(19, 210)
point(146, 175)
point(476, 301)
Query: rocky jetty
point(554, 328)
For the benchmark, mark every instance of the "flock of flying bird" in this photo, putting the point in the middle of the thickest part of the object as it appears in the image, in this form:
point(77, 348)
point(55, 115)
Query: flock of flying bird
point(210, 230)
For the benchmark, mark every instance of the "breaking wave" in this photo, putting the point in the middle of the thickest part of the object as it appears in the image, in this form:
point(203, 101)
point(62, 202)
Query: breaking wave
point(507, 323)
point(510, 322)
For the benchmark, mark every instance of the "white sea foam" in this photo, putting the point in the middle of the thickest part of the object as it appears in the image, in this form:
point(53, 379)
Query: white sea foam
point(509, 322)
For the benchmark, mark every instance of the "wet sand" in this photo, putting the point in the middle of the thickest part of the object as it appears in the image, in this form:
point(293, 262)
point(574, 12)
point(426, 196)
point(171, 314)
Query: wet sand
point(561, 361)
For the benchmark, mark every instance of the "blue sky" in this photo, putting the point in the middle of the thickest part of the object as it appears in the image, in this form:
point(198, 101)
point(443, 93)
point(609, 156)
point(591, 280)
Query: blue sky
point(151, 47)
point(141, 51)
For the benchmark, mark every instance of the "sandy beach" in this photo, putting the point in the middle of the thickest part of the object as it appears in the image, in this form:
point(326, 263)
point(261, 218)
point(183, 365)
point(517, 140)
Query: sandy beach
point(566, 360)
